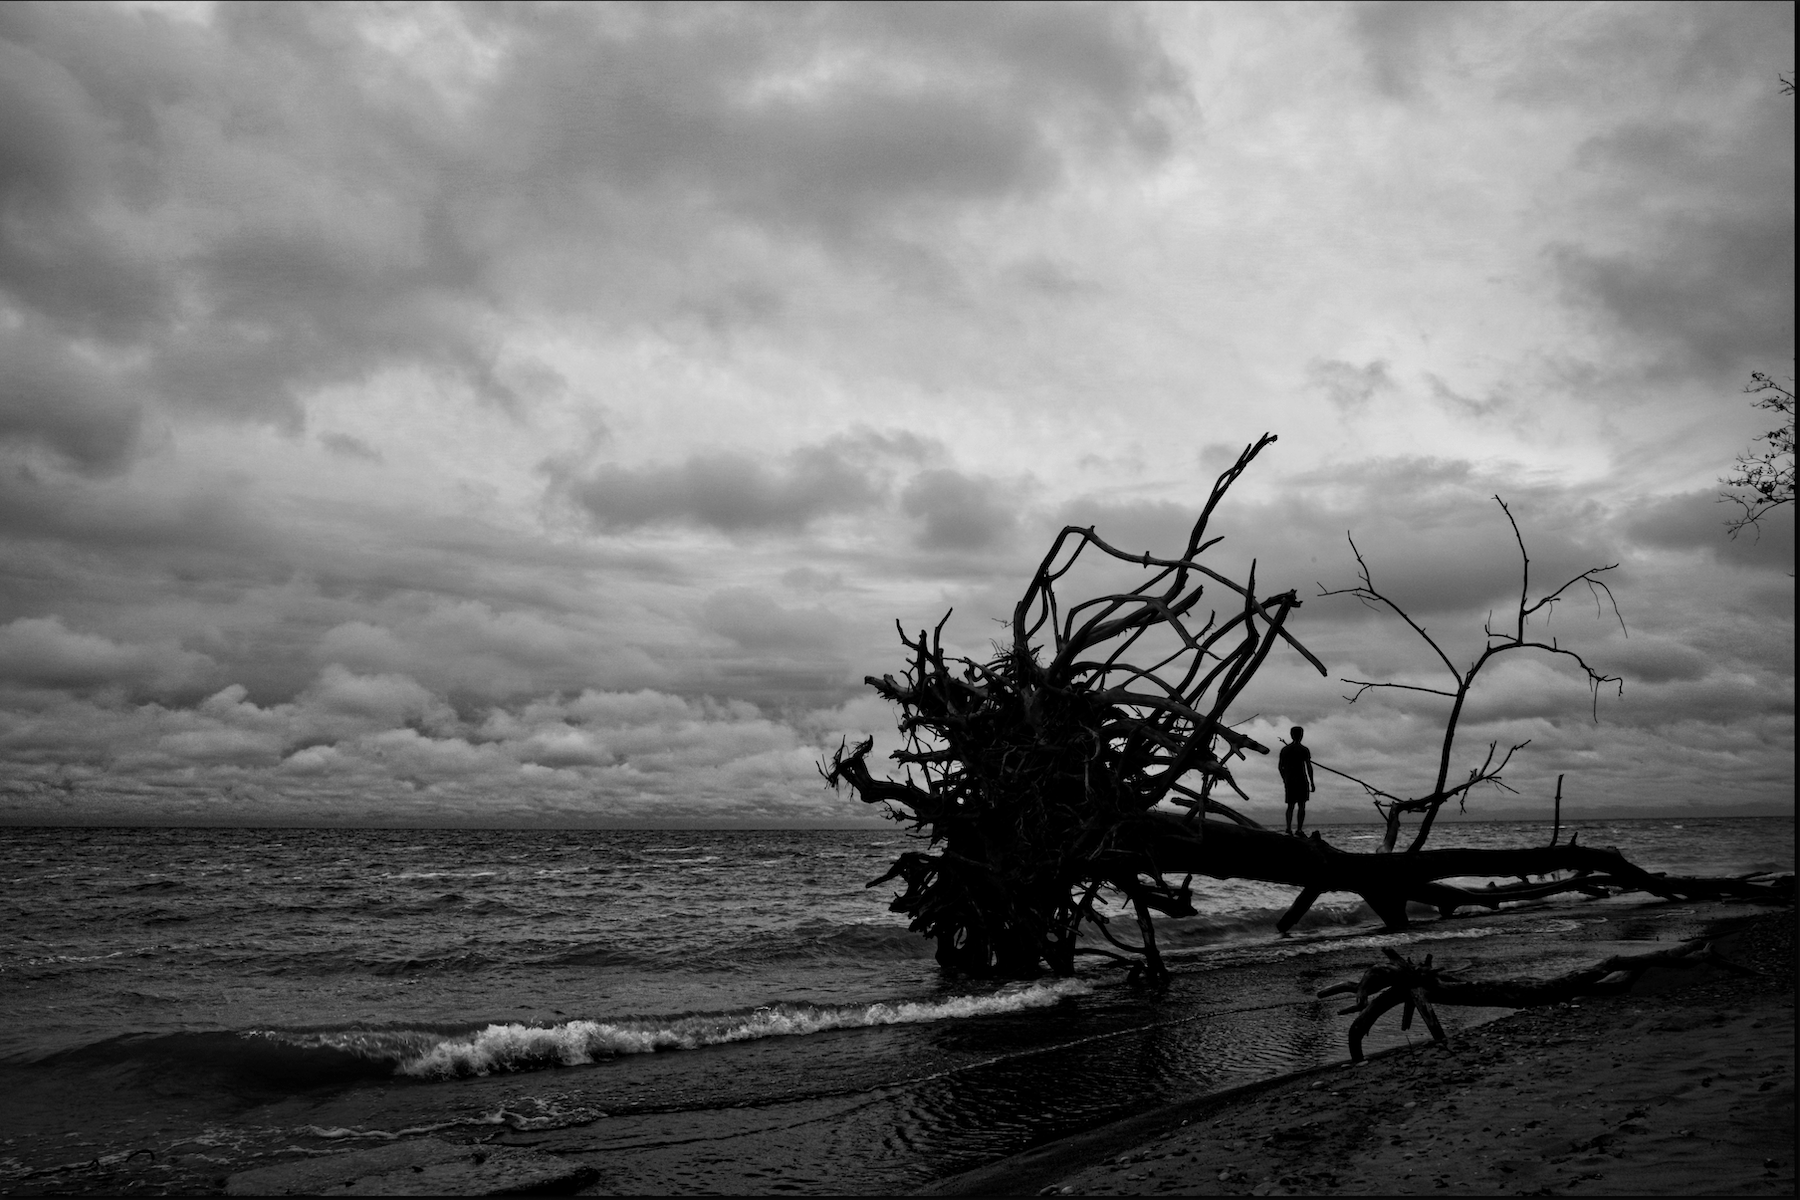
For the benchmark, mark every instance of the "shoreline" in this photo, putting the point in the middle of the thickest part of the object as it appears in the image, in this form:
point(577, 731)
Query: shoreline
point(1682, 1086)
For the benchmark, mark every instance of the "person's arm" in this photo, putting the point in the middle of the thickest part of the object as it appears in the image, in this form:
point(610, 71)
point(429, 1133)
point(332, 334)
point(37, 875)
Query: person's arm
point(1312, 784)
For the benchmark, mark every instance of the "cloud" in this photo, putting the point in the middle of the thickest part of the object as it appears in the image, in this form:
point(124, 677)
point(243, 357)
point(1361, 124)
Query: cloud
point(729, 492)
point(1450, 398)
point(50, 398)
point(811, 579)
point(961, 512)
point(355, 746)
point(1655, 660)
point(1715, 291)
point(1704, 270)
point(755, 622)
point(1429, 529)
point(1157, 526)
point(238, 211)
point(392, 699)
point(43, 652)
point(828, 118)
point(1400, 38)
point(346, 446)
point(1349, 386)
point(1696, 521)
point(466, 412)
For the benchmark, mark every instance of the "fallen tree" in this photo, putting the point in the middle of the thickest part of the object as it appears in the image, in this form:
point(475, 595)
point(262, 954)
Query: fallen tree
point(1036, 776)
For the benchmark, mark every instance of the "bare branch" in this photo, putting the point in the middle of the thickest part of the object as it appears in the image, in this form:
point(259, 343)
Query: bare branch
point(1363, 685)
point(1367, 594)
point(1497, 644)
point(1363, 784)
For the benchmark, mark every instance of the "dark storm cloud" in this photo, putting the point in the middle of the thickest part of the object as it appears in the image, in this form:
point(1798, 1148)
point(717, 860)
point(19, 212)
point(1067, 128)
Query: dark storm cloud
point(43, 652)
point(470, 607)
point(215, 210)
point(960, 511)
point(238, 211)
point(92, 538)
point(50, 398)
point(1712, 292)
point(208, 527)
point(1429, 529)
point(1706, 277)
point(1696, 521)
point(825, 116)
point(1655, 660)
point(754, 621)
point(730, 492)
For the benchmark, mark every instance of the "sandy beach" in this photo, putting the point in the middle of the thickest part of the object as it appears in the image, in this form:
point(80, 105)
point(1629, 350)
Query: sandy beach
point(1683, 1087)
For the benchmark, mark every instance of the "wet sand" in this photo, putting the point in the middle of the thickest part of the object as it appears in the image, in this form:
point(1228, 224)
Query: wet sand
point(1684, 1087)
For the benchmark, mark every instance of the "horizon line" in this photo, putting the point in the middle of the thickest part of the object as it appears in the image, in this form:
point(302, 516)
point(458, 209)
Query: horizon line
point(623, 826)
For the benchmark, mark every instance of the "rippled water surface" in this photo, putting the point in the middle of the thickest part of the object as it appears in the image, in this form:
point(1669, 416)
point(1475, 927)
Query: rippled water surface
point(726, 1010)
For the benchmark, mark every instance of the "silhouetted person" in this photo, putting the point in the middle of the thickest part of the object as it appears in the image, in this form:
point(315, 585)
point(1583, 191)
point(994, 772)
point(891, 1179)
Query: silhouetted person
point(1296, 768)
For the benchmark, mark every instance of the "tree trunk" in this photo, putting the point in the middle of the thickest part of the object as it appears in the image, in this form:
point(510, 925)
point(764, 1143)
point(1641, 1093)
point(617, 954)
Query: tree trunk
point(1388, 882)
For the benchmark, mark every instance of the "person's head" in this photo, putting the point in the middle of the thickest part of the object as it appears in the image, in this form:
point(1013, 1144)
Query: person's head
point(1297, 733)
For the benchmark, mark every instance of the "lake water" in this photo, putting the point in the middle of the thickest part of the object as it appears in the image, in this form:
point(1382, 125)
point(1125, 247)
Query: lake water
point(715, 1010)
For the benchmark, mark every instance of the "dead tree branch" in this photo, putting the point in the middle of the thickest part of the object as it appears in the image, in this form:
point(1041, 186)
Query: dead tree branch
point(1496, 644)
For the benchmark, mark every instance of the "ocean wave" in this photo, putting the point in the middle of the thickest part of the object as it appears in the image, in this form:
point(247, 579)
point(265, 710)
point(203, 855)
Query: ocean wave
point(285, 1060)
point(595, 955)
point(450, 960)
point(511, 1047)
point(824, 941)
point(479, 907)
point(258, 1059)
point(447, 962)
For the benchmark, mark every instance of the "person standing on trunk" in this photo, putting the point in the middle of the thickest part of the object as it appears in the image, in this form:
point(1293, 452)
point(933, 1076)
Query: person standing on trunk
point(1296, 768)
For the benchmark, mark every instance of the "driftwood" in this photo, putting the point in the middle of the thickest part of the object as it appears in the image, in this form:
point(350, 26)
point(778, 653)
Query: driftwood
point(1037, 775)
point(1034, 773)
point(1420, 987)
point(1389, 882)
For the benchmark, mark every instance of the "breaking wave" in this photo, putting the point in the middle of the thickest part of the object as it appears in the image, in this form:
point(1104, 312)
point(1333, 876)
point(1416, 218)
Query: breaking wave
point(574, 1043)
point(285, 1059)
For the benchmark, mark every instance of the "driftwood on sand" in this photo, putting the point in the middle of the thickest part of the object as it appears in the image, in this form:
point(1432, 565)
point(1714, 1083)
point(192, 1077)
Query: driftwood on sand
point(1038, 777)
point(1419, 987)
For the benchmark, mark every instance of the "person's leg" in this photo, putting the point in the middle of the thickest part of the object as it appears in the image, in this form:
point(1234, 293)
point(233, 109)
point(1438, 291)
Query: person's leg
point(1290, 816)
point(1300, 819)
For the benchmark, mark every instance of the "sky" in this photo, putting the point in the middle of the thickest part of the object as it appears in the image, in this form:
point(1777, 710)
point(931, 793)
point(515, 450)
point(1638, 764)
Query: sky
point(417, 414)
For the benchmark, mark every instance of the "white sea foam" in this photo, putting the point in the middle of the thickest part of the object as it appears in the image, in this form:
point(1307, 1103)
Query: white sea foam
point(573, 1043)
point(336, 1133)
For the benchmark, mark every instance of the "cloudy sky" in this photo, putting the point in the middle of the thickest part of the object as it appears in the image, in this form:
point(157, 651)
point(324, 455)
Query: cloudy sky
point(419, 413)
